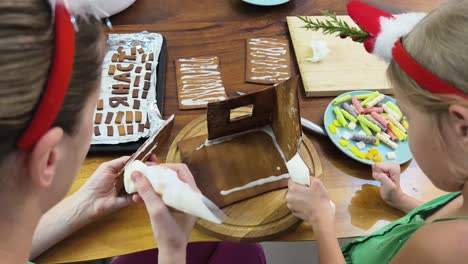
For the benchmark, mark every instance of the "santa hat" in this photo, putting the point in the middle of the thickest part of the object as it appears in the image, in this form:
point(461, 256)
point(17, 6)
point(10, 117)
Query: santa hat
point(385, 40)
point(384, 29)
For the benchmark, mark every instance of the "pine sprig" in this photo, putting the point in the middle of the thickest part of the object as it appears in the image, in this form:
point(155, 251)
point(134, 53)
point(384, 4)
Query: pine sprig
point(335, 25)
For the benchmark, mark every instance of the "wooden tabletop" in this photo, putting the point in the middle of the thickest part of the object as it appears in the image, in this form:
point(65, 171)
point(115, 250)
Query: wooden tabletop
point(213, 27)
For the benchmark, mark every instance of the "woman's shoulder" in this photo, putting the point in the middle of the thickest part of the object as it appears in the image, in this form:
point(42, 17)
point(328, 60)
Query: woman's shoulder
point(438, 242)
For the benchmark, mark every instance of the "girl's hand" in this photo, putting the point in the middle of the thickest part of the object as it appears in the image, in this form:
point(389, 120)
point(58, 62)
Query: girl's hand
point(310, 203)
point(388, 174)
point(171, 228)
point(99, 190)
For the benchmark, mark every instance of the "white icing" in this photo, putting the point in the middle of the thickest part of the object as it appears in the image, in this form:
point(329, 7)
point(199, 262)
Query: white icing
point(173, 191)
point(201, 81)
point(268, 59)
point(298, 170)
point(255, 183)
point(320, 51)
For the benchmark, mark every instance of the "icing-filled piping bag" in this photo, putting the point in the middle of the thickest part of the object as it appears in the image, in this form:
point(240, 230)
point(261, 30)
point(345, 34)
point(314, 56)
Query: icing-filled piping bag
point(306, 123)
point(174, 193)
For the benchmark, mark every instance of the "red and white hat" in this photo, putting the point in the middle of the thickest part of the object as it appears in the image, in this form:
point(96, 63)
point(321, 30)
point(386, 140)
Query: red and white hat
point(385, 29)
point(385, 41)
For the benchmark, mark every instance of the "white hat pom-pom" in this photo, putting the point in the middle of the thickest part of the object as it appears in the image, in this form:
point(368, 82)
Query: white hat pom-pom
point(96, 8)
point(391, 29)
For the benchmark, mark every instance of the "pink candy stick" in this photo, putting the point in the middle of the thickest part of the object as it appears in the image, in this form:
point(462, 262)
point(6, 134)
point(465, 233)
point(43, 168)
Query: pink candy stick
point(357, 105)
point(392, 136)
point(378, 110)
point(380, 119)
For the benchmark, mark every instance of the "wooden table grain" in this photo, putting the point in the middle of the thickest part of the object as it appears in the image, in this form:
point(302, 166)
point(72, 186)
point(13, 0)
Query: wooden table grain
point(213, 27)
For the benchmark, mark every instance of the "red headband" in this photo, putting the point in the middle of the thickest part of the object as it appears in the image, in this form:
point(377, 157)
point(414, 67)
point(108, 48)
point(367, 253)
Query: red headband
point(385, 28)
point(59, 79)
point(423, 77)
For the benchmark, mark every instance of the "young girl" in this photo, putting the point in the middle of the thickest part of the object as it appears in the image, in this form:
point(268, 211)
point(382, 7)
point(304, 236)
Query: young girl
point(437, 107)
point(49, 89)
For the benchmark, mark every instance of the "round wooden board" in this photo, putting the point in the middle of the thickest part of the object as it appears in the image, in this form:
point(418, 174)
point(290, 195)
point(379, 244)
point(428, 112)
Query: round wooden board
point(257, 219)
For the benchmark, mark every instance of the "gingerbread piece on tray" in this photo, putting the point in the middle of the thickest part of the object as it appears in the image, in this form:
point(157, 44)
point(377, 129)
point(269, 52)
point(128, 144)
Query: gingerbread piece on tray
point(119, 117)
point(267, 60)
point(111, 70)
point(97, 132)
point(109, 117)
point(100, 105)
point(199, 82)
point(135, 93)
point(110, 131)
point(98, 118)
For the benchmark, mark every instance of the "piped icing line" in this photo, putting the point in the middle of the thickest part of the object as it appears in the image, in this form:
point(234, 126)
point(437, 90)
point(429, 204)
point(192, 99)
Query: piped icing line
point(256, 183)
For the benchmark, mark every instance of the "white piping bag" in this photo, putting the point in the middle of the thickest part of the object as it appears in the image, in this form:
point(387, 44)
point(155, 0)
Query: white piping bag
point(174, 193)
point(299, 173)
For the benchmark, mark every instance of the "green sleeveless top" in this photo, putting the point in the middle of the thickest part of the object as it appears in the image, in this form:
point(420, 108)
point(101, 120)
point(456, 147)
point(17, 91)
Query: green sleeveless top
point(384, 244)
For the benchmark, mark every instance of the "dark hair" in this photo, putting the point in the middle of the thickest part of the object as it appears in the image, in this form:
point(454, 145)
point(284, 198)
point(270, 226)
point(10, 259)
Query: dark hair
point(26, 50)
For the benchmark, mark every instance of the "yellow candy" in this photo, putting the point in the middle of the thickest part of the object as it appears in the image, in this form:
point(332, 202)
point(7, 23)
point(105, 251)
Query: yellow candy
point(370, 98)
point(337, 123)
point(405, 124)
point(340, 117)
point(363, 96)
point(342, 99)
point(343, 143)
point(374, 151)
point(348, 116)
point(397, 132)
point(378, 158)
point(365, 129)
point(377, 143)
point(357, 152)
point(369, 156)
point(332, 128)
point(369, 124)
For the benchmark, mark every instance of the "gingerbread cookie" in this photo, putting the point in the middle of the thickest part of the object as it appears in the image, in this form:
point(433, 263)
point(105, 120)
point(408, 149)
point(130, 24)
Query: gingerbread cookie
point(267, 60)
point(199, 82)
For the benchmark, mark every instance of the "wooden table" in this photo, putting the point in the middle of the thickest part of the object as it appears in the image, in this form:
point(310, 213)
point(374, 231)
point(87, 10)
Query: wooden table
point(213, 27)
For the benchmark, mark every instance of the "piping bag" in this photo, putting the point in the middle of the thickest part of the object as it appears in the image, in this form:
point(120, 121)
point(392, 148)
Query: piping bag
point(174, 192)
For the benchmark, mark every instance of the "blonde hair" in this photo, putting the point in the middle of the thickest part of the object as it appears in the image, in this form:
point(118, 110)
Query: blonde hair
point(26, 50)
point(439, 43)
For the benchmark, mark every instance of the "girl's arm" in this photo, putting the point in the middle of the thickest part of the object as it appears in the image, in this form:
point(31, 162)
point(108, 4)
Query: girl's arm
point(313, 205)
point(388, 174)
point(329, 250)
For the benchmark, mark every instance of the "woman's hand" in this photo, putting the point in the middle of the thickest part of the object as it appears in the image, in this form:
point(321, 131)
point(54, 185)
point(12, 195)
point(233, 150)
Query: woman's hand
point(99, 190)
point(171, 228)
point(311, 203)
point(388, 174)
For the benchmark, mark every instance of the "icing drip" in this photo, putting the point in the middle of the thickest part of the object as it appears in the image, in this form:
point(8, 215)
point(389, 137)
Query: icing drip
point(268, 59)
point(201, 81)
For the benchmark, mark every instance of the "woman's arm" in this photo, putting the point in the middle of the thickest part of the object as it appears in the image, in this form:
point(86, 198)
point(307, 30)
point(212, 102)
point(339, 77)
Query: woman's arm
point(59, 222)
point(312, 204)
point(96, 198)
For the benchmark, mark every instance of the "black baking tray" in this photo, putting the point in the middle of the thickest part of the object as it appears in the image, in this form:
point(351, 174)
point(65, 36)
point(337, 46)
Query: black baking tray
point(131, 147)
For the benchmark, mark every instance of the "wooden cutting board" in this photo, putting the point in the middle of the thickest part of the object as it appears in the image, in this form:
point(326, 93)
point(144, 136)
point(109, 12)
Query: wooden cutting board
point(347, 67)
point(257, 219)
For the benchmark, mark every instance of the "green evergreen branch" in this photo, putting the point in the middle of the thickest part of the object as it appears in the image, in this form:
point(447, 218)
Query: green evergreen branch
point(335, 25)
